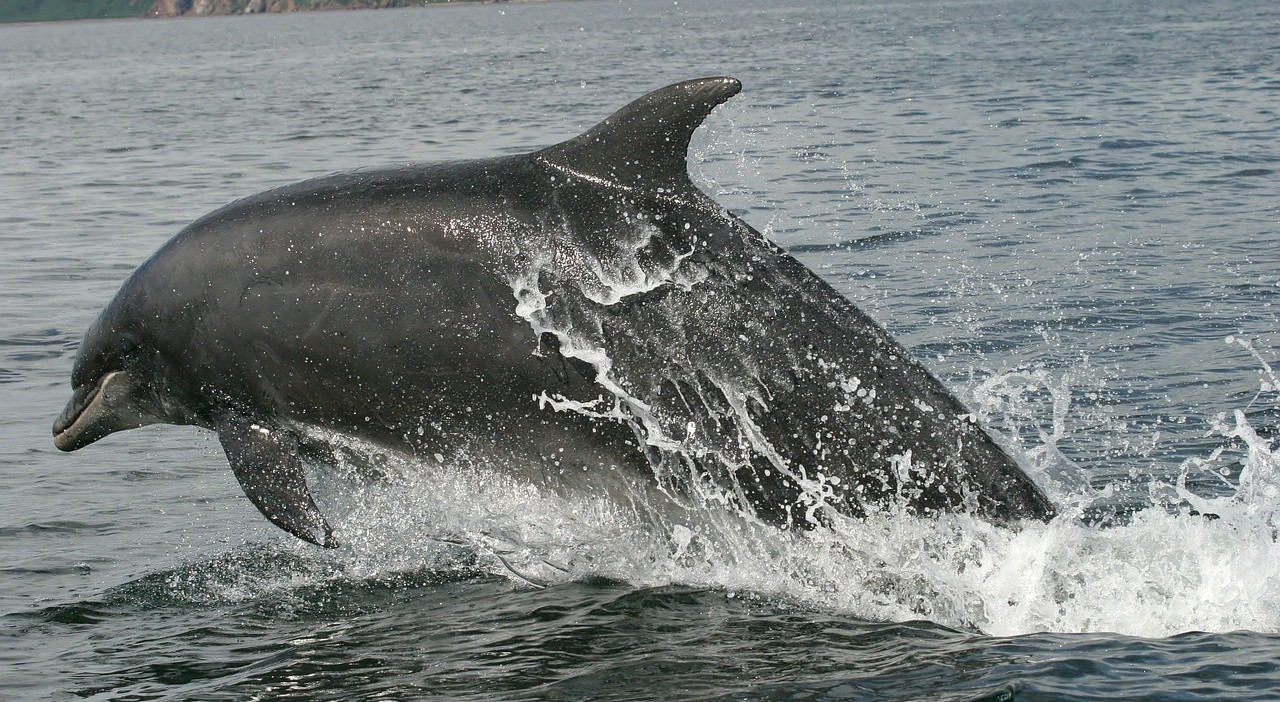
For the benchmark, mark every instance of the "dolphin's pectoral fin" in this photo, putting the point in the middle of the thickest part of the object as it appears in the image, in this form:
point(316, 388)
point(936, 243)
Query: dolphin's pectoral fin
point(643, 145)
point(266, 463)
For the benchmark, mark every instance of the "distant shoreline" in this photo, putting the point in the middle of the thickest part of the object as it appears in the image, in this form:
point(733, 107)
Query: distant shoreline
point(27, 11)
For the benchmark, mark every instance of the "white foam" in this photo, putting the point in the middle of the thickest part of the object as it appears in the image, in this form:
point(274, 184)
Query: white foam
point(1158, 574)
point(1163, 571)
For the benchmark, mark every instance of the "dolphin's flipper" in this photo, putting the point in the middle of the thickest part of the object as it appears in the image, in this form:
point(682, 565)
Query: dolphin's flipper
point(643, 145)
point(266, 463)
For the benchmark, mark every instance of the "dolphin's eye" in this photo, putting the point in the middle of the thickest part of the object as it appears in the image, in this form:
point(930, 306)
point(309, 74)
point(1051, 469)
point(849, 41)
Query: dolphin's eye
point(95, 360)
point(86, 373)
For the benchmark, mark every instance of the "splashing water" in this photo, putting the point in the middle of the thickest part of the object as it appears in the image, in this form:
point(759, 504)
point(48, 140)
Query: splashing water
point(1165, 570)
point(1181, 561)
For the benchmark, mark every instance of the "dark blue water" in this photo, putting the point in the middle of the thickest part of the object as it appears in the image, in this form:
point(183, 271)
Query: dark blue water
point(1069, 211)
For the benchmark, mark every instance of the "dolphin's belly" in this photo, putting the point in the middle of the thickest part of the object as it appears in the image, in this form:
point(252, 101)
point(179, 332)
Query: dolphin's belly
point(444, 367)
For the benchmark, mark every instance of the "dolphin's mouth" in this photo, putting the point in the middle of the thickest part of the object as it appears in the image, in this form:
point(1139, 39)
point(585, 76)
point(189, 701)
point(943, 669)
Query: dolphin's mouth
point(69, 428)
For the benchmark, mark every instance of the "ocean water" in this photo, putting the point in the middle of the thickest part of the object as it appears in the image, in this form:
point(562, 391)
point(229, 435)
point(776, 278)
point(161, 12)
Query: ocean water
point(1069, 211)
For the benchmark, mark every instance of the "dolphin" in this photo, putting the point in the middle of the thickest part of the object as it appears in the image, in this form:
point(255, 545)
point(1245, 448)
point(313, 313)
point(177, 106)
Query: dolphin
point(574, 314)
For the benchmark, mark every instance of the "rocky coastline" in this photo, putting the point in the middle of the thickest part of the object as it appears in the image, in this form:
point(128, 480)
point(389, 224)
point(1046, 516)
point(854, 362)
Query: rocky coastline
point(198, 8)
point(52, 10)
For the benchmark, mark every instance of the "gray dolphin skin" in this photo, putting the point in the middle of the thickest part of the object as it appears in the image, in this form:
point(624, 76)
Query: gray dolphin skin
point(578, 313)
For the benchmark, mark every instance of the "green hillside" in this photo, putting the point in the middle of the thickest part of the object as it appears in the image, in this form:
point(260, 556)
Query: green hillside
point(44, 10)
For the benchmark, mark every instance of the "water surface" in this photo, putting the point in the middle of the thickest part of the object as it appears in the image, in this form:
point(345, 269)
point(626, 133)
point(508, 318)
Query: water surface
point(1069, 211)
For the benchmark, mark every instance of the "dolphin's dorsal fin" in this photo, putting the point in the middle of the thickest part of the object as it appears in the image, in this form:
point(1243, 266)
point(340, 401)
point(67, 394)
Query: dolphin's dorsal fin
point(643, 145)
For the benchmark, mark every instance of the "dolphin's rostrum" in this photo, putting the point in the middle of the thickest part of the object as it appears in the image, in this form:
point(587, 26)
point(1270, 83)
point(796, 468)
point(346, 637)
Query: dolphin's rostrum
point(581, 314)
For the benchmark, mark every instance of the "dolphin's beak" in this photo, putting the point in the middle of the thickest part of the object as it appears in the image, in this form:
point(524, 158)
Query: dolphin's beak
point(98, 410)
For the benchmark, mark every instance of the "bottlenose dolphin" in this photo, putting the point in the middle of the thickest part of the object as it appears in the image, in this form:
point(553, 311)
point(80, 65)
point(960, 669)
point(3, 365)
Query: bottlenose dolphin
point(573, 313)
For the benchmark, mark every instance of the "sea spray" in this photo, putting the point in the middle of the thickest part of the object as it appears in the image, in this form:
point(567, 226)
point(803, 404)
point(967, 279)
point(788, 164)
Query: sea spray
point(1165, 569)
